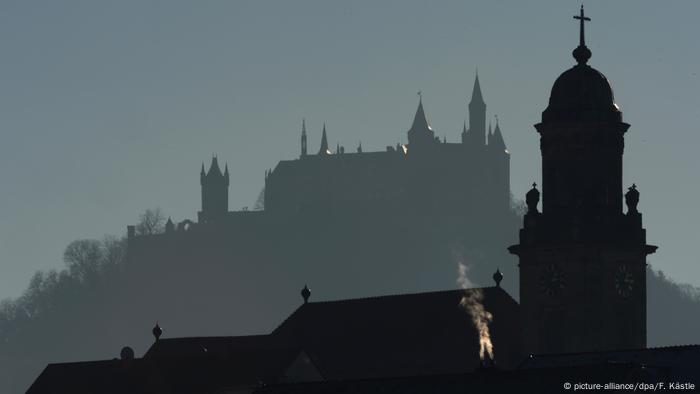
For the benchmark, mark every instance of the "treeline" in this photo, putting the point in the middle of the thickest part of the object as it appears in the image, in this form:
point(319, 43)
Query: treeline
point(54, 318)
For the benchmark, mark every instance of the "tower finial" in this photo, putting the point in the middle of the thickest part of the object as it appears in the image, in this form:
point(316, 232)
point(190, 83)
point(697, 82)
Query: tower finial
point(157, 331)
point(305, 294)
point(582, 53)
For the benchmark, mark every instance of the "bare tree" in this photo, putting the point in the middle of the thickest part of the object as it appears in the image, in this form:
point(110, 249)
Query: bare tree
point(83, 258)
point(151, 222)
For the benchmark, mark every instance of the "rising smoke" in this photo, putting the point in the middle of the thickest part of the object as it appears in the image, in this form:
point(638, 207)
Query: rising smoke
point(472, 302)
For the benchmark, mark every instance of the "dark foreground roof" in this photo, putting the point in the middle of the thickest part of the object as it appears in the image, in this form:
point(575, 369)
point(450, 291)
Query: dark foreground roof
point(397, 335)
point(550, 380)
point(189, 374)
point(682, 362)
point(402, 335)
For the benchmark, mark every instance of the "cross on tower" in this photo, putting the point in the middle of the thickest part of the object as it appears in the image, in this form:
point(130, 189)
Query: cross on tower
point(583, 19)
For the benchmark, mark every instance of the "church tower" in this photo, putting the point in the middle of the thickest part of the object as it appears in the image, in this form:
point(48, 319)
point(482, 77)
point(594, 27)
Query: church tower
point(582, 259)
point(214, 192)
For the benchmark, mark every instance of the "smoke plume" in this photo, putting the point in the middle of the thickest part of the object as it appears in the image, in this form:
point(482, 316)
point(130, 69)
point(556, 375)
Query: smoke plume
point(472, 302)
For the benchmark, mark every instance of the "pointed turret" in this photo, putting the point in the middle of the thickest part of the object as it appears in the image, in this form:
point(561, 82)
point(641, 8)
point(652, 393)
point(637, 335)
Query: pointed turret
point(324, 142)
point(214, 169)
point(496, 140)
point(420, 133)
point(464, 132)
point(489, 135)
point(477, 97)
point(303, 137)
point(359, 147)
point(477, 116)
point(226, 171)
point(169, 225)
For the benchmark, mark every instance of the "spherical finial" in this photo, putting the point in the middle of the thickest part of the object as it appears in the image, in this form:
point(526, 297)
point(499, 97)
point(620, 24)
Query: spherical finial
point(127, 353)
point(532, 198)
point(497, 277)
point(632, 199)
point(581, 54)
point(305, 293)
point(157, 331)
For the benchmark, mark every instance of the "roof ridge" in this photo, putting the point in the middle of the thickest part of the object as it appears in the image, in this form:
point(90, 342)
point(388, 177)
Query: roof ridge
point(398, 295)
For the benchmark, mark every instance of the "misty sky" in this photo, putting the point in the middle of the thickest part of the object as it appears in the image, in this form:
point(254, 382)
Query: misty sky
point(109, 108)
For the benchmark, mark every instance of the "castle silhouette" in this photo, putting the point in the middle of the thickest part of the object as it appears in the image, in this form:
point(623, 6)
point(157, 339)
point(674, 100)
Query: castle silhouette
point(582, 311)
point(426, 176)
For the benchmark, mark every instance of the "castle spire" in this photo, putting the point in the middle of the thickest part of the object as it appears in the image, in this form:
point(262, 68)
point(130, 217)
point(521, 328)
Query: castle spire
point(496, 139)
point(419, 119)
point(477, 97)
point(214, 168)
point(477, 116)
point(464, 132)
point(303, 137)
point(420, 132)
point(489, 135)
point(324, 142)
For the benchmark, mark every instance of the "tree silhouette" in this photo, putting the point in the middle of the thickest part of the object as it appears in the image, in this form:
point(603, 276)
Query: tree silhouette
point(151, 222)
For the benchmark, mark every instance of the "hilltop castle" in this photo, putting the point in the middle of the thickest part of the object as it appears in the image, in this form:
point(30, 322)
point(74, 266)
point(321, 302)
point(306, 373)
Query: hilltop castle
point(396, 219)
point(424, 177)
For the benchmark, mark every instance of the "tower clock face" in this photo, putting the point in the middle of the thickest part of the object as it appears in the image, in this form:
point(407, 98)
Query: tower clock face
point(624, 281)
point(552, 280)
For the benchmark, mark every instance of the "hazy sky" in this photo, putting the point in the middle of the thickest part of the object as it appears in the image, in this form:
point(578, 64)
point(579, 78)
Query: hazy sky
point(109, 108)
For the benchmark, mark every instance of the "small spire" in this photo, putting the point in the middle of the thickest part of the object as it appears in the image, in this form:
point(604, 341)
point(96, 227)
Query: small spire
point(303, 137)
point(324, 142)
point(496, 139)
point(226, 169)
point(477, 97)
point(359, 147)
point(305, 294)
point(202, 173)
point(419, 120)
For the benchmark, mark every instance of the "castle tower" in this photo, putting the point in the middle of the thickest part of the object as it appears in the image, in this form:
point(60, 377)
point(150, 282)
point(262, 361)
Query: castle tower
point(303, 137)
point(582, 260)
point(214, 192)
point(420, 135)
point(476, 135)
